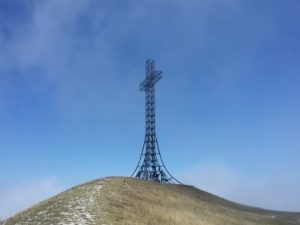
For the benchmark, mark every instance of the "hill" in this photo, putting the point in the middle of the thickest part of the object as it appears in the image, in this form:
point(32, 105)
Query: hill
point(128, 201)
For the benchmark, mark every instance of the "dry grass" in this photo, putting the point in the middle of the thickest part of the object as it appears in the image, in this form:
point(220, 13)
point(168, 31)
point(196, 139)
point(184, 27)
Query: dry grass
point(126, 201)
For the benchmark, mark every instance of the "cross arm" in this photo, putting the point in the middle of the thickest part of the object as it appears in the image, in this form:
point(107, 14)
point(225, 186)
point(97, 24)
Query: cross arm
point(150, 81)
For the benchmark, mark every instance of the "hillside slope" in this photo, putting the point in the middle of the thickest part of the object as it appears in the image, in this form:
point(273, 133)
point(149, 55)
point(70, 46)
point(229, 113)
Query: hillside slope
point(127, 201)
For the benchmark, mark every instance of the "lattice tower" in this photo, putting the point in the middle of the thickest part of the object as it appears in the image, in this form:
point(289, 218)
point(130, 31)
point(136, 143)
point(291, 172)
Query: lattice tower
point(150, 165)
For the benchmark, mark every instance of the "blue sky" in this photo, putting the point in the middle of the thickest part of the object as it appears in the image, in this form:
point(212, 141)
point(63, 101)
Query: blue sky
point(227, 107)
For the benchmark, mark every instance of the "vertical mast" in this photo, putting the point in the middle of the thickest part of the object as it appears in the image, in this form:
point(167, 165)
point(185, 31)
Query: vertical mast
point(150, 165)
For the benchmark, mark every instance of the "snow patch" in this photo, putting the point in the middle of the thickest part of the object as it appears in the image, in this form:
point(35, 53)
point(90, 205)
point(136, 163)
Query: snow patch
point(78, 211)
point(98, 187)
point(75, 207)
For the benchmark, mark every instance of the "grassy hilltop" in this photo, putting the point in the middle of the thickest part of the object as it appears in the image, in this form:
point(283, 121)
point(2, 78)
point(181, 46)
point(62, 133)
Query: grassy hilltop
point(128, 201)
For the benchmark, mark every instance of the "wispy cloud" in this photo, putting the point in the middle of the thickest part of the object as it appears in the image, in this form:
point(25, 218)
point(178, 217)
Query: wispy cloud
point(42, 36)
point(15, 198)
point(53, 47)
point(273, 191)
point(78, 48)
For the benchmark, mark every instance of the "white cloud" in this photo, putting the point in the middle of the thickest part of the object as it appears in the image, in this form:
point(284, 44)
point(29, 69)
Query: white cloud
point(43, 36)
point(75, 69)
point(76, 66)
point(260, 190)
point(15, 198)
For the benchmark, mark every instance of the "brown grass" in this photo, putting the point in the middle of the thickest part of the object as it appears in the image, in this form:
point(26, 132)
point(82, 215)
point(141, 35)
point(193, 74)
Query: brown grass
point(127, 201)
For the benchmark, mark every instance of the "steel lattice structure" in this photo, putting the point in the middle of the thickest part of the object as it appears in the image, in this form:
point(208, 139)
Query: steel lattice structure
point(151, 166)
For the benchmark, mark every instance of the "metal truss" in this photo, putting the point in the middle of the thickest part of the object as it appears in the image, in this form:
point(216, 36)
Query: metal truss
point(151, 166)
